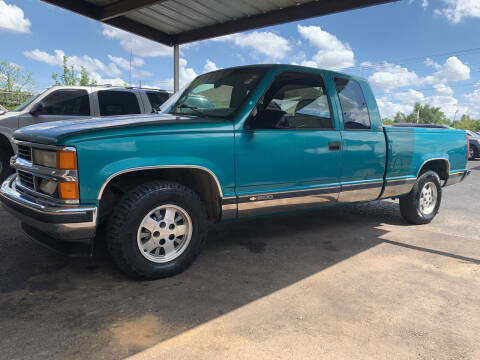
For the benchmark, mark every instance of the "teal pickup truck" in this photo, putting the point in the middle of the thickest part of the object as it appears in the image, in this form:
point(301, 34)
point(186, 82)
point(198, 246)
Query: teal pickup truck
point(237, 143)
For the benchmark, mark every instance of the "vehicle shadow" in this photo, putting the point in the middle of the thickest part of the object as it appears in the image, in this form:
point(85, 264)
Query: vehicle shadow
point(80, 308)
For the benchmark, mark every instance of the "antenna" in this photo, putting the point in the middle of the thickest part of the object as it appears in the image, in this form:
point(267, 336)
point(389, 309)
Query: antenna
point(130, 76)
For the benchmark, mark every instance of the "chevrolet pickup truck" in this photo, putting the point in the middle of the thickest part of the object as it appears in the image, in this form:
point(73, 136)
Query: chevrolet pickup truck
point(236, 143)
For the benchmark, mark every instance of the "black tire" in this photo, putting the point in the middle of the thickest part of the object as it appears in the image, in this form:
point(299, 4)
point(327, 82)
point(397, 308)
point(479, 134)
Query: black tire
point(474, 153)
point(410, 204)
point(125, 221)
point(5, 169)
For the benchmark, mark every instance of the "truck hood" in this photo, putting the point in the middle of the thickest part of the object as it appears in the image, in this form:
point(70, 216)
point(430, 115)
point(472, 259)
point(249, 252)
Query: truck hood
point(53, 133)
point(8, 115)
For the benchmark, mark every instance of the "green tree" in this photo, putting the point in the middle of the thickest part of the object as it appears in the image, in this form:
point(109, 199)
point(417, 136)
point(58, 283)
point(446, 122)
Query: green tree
point(467, 123)
point(14, 79)
point(399, 117)
point(387, 121)
point(69, 78)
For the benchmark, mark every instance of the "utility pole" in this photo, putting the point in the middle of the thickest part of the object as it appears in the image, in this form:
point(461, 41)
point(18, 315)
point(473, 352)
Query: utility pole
point(418, 116)
point(454, 117)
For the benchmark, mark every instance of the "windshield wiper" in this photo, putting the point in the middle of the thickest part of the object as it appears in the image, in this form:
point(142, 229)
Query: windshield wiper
point(193, 108)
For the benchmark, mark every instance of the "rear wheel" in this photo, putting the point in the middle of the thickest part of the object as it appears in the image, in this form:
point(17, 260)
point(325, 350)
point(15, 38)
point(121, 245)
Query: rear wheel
point(422, 203)
point(473, 153)
point(157, 230)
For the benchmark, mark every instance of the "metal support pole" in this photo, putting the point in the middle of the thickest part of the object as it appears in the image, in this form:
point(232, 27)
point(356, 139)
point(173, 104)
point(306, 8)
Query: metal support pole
point(176, 65)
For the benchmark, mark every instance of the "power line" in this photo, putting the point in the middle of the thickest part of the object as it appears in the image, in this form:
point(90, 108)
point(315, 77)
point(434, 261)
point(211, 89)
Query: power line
point(406, 61)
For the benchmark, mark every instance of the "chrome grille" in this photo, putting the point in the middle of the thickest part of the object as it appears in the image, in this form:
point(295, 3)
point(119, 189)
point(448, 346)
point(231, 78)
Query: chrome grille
point(26, 179)
point(25, 152)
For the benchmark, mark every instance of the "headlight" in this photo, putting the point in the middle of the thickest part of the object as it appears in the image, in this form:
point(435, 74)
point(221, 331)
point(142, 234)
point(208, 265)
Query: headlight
point(45, 158)
point(61, 159)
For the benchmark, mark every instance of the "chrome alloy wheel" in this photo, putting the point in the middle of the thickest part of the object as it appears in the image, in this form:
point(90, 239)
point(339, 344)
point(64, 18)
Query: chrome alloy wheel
point(471, 153)
point(428, 198)
point(164, 233)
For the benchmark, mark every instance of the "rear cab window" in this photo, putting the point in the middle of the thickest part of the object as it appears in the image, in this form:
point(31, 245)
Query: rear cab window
point(352, 101)
point(114, 102)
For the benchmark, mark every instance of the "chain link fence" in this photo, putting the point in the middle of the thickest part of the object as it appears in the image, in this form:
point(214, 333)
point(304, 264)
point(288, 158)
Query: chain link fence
point(11, 100)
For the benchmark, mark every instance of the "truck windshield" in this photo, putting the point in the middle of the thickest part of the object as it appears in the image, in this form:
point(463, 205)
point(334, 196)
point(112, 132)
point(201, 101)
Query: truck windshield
point(219, 93)
point(27, 102)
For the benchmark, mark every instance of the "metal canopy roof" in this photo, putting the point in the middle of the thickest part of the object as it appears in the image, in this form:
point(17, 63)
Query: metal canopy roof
point(175, 22)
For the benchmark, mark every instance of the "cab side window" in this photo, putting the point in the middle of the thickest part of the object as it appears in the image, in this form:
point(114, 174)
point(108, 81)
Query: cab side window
point(115, 102)
point(66, 102)
point(294, 101)
point(352, 101)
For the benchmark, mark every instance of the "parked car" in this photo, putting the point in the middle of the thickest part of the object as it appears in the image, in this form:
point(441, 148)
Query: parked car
point(474, 139)
point(74, 102)
point(271, 138)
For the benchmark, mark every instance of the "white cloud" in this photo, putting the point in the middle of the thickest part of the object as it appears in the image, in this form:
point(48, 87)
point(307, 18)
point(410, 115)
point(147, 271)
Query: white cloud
point(332, 53)
point(91, 64)
point(267, 43)
point(452, 70)
point(409, 97)
point(424, 4)
point(209, 66)
point(138, 45)
point(392, 76)
point(472, 101)
point(389, 109)
point(457, 10)
point(106, 81)
point(13, 19)
point(124, 63)
point(186, 75)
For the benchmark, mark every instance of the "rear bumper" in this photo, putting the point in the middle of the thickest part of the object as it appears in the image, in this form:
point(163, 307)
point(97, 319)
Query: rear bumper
point(456, 177)
point(76, 224)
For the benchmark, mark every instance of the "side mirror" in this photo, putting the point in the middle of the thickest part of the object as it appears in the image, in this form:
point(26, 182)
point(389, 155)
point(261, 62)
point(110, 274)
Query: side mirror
point(37, 108)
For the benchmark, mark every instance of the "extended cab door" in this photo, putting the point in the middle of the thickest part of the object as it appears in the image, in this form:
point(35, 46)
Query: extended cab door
point(61, 104)
point(288, 156)
point(363, 142)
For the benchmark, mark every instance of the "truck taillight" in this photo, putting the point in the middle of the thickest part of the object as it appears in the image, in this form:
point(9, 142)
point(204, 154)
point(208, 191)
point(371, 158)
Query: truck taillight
point(468, 146)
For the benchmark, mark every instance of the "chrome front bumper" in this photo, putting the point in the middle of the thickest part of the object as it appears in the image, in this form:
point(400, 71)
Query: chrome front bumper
point(46, 222)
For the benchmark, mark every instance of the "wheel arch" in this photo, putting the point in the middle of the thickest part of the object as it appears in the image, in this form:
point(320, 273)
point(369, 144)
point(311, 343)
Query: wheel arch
point(200, 179)
point(440, 165)
point(6, 144)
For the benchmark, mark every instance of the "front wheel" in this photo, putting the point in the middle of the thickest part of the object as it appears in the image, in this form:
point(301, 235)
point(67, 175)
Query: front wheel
point(5, 169)
point(422, 203)
point(157, 230)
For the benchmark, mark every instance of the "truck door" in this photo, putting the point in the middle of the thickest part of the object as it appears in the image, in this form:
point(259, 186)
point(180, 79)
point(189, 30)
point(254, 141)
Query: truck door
point(62, 104)
point(363, 143)
point(289, 154)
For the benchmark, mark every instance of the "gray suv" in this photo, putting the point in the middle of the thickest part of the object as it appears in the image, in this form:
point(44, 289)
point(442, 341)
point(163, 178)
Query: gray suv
point(74, 102)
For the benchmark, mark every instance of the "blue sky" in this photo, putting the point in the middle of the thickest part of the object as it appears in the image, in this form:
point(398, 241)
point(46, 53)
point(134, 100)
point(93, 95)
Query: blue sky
point(419, 50)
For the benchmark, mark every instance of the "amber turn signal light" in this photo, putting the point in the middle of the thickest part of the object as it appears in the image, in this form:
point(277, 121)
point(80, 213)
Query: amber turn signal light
point(66, 160)
point(68, 190)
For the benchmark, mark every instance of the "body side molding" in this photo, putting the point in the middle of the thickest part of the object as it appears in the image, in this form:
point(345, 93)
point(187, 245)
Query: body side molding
point(155, 167)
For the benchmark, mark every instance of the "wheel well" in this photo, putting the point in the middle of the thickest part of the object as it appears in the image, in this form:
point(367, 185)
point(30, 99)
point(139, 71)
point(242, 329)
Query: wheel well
point(440, 166)
point(200, 181)
point(6, 145)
